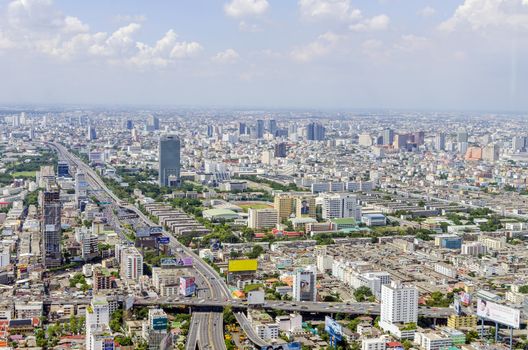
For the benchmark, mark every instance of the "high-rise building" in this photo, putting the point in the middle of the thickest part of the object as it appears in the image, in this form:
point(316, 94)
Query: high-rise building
point(131, 264)
point(155, 331)
point(462, 136)
point(304, 285)
point(259, 131)
point(263, 218)
point(519, 143)
point(419, 138)
point(284, 203)
point(242, 129)
point(491, 152)
point(388, 137)
point(51, 226)
point(400, 140)
point(129, 125)
point(280, 150)
point(63, 169)
point(169, 160)
point(81, 187)
point(91, 134)
point(153, 123)
point(341, 205)
point(439, 142)
point(315, 132)
point(210, 131)
point(272, 126)
point(97, 319)
point(399, 303)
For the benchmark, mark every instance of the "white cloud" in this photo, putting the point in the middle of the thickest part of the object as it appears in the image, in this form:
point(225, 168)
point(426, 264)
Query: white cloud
point(227, 56)
point(243, 26)
point(376, 23)
point(242, 8)
point(411, 42)
point(37, 26)
point(322, 46)
point(427, 11)
point(328, 9)
point(482, 14)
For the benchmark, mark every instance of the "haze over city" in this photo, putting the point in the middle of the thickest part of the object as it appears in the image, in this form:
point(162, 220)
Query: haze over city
point(413, 54)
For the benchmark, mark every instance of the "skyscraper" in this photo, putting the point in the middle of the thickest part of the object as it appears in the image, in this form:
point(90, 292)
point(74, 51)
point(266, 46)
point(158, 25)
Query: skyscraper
point(280, 150)
point(259, 132)
point(63, 169)
point(315, 132)
point(169, 160)
point(153, 123)
point(462, 136)
point(399, 305)
point(341, 205)
point(272, 126)
point(91, 133)
point(242, 130)
point(388, 137)
point(51, 226)
point(97, 320)
point(439, 144)
point(210, 131)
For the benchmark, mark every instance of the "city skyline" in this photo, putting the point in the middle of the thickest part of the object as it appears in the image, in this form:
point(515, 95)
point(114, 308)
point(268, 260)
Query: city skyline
point(327, 54)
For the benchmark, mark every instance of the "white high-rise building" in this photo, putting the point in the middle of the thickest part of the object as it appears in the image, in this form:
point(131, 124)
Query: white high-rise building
point(341, 205)
point(97, 316)
point(131, 264)
point(399, 304)
point(304, 285)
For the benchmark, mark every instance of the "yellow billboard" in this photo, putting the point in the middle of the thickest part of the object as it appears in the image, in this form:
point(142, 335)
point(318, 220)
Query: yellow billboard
point(242, 265)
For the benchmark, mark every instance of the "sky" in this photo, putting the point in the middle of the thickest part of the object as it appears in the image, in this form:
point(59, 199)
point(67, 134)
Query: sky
point(335, 54)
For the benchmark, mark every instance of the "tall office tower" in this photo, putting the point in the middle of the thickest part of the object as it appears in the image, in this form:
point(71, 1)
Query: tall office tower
point(81, 188)
point(304, 285)
point(153, 123)
point(491, 152)
point(341, 205)
point(419, 138)
point(51, 226)
point(131, 266)
point(129, 124)
point(315, 132)
point(91, 133)
point(16, 120)
point(292, 129)
point(518, 143)
point(284, 203)
point(462, 147)
point(439, 142)
point(31, 133)
point(400, 140)
point(242, 129)
point(259, 132)
point(169, 160)
point(63, 169)
point(462, 135)
point(280, 150)
point(210, 131)
point(388, 137)
point(156, 329)
point(23, 118)
point(272, 126)
point(97, 320)
point(399, 304)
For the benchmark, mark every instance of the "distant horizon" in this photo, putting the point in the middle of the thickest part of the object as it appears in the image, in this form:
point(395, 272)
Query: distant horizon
point(453, 55)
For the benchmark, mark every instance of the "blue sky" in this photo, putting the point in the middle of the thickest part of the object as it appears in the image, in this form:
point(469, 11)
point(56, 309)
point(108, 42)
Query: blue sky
point(427, 54)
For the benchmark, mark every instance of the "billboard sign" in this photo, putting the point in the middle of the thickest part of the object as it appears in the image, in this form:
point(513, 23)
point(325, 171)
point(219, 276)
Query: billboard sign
point(187, 286)
point(287, 346)
point(177, 262)
point(163, 240)
point(465, 298)
point(334, 329)
point(156, 230)
point(142, 232)
point(108, 344)
point(242, 265)
point(159, 323)
point(498, 313)
point(306, 285)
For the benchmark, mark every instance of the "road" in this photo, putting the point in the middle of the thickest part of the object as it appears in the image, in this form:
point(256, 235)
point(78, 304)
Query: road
point(214, 323)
